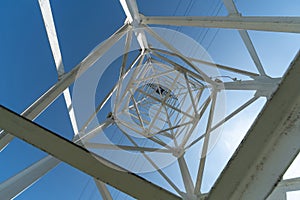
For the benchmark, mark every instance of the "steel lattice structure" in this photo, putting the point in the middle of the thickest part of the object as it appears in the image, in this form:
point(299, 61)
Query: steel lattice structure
point(161, 98)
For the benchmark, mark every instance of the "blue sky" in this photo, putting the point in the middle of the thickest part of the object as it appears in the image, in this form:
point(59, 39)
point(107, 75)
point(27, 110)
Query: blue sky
point(28, 69)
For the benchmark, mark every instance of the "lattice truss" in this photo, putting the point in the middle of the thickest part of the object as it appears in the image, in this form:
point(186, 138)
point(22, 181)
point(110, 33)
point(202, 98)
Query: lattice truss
point(165, 105)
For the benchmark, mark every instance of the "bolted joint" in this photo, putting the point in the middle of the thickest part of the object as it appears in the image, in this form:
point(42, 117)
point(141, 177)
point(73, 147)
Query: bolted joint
point(178, 152)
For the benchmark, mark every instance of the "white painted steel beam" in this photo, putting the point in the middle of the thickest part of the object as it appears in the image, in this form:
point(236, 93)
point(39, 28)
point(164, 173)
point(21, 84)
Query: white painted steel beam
point(45, 8)
point(95, 131)
point(103, 190)
point(12, 187)
point(230, 6)
point(163, 175)
point(274, 24)
point(108, 96)
point(268, 148)
point(223, 67)
point(131, 10)
point(47, 98)
point(54, 44)
point(264, 86)
point(15, 185)
point(228, 117)
point(283, 187)
point(292, 184)
point(202, 163)
point(133, 17)
point(232, 10)
point(80, 158)
point(124, 147)
point(5, 139)
point(186, 176)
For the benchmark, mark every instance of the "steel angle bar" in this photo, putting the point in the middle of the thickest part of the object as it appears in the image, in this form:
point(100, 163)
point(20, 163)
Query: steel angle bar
point(171, 183)
point(38, 106)
point(164, 103)
point(221, 122)
point(186, 176)
point(80, 158)
point(92, 133)
point(257, 84)
point(54, 44)
point(195, 122)
point(223, 67)
point(103, 190)
point(45, 8)
point(133, 17)
point(15, 185)
point(205, 144)
point(139, 60)
point(232, 10)
point(124, 147)
point(190, 93)
point(259, 23)
point(252, 173)
point(126, 51)
point(177, 53)
point(201, 75)
point(264, 86)
point(283, 187)
point(137, 110)
point(154, 139)
point(5, 139)
point(24, 179)
point(175, 127)
point(108, 96)
point(47, 98)
point(178, 67)
point(157, 75)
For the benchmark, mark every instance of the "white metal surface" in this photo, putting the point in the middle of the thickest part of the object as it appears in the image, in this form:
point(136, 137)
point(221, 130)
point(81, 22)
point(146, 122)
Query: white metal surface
point(15, 185)
point(54, 44)
point(264, 86)
point(275, 24)
point(80, 158)
point(48, 97)
point(275, 136)
point(133, 17)
point(284, 186)
point(269, 147)
point(186, 176)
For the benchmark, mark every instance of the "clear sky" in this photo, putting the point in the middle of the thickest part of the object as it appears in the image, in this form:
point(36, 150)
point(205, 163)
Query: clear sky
point(28, 69)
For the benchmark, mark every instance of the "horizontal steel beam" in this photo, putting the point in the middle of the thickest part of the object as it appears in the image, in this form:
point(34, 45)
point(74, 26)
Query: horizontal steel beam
point(268, 148)
point(264, 86)
point(275, 24)
point(81, 158)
